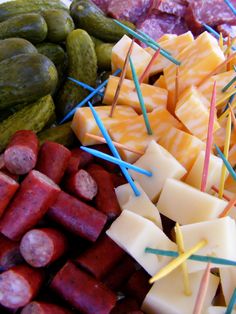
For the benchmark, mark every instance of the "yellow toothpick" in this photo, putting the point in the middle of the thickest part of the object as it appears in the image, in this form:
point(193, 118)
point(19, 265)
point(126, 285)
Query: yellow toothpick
point(221, 42)
point(177, 262)
point(180, 245)
point(226, 153)
point(224, 97)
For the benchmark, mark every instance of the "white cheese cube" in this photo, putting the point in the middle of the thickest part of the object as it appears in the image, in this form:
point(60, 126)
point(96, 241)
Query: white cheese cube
point(194, 177)
point(217, 310)
point(228, 281)
point(161, 164)
point(167, 295)
point(133, 233)
point(220, 235)
point(140, 205)
point(186, 205)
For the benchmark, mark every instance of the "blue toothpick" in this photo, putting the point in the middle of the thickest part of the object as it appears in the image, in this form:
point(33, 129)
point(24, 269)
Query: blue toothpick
point(140, 97)
point(227, 164)
point(84, 85)
point(86, 99)
point(232, 302)
point(116, 161)
point(146, 36)
point(194, 257)
point(113, 149)
point(230, 5)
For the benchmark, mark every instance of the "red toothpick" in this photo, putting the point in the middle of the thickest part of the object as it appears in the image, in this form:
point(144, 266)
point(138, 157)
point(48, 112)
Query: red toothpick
point(149, 66)
point(209, 139)
point(121, 80)
point(226, 197)
point(202, 291)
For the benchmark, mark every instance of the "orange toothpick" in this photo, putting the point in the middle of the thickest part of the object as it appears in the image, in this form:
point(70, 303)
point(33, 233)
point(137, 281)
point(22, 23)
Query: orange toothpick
point(229, 206)
point(149, 66)
point(121, 80)
point(177, 85)
point(118, 145)
point(209, 139)
point(229, 43)
point(202, 291)
point(226, 197)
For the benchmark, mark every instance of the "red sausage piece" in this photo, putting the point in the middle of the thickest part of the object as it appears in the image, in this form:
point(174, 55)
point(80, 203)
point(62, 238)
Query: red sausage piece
point(36, 194)
point(8, 187)
point(106, 200)
point(40, 247)
point(9, 253)
point(21, 154)
point(19, 285)
point(79, 159)
point(83, 291)
point(53, 160)
point(101, 258)
point(44, 308)
point(82, 185)
point(77, 217)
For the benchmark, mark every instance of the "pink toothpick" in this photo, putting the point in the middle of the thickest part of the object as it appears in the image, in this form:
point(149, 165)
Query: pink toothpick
point(149, 66)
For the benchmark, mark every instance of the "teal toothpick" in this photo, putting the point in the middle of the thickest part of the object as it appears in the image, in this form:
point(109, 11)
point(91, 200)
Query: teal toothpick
point(116, 161)
point(227, 164)
point(230, 5)
point(227, 86)
point(84, 85)
point(153, 41)
point(232, 303)
point(140, 97)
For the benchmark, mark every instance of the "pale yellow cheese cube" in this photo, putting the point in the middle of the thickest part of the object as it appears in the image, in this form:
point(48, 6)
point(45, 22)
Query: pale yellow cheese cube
point(83, 121)
point(220, 235)
point(133, 233)
point(228, 281)
point(182, 145)
point(194, 177)
point(139, 55)
point(193, 113)
point(218, 310)
point(140, 205)
point(167, 295)
point(198, 59)
point(154, 97)
point(134, 133)
point(187, 205)
point(174, 46)
point(161, 164)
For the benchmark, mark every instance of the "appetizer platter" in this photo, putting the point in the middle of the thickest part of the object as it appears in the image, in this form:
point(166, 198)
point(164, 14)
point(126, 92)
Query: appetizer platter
point(118, 157)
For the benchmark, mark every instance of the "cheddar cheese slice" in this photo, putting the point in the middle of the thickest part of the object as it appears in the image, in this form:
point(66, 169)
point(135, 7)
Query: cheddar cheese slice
point(139, 55)
point(183, 146)
point(194, 114)
point(154, 97)
point(83, 121)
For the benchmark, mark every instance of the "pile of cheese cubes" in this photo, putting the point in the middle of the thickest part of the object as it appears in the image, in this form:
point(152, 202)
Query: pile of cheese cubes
point(175, 154)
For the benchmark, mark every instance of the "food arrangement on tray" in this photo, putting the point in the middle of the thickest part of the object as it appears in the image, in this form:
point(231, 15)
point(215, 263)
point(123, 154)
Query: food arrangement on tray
point(118, 155)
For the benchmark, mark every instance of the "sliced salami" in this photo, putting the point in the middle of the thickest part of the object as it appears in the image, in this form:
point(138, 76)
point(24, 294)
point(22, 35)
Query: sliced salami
point(175, 7)
point(227, 30)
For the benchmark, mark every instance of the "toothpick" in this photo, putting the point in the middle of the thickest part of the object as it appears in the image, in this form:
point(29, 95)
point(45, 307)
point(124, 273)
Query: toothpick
point(149, 66)
point(221, 41)
point(227, 86)
point(229, 44)
point(226, 153)
point(230, 5)
point(121, 79)
point(226, 113)
point(229, 206)
point(227, 164)
point(215, 189)
point(233, 117)
point(209, 139)
point(224, 97)
point(177, 85)
point(177, 262)
point(232, 303)
point(202, 291)
point(84, 85)
point(116, 144)
point(180, 245)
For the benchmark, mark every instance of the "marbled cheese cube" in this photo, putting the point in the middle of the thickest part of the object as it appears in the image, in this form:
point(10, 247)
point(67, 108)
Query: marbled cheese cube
point(161, 164)
point(160, 82)
point(154, 97)
point(220, 235)
point(133, 233)
point(83, 121)
point(194, 177)
point(140, 205)
point(139, 55)
point(187, 205)
point(167, 294)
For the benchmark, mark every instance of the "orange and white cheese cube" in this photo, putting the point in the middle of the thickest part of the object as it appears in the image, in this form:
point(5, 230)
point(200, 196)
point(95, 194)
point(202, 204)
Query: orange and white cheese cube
point(167, 294)
point(83, 121)
point(174, 46)
point(139, 55)
point(186, 204)
point(194, 114)
point(232, 155)
point(142, 233)
point(140, 205)
point(183, 146)
point(161, 164)
point(194, 177)
point(154, 97)
point(228, 279)
point(134, 133)
point(198, 60)
point(160, 82)
point(220, 235)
